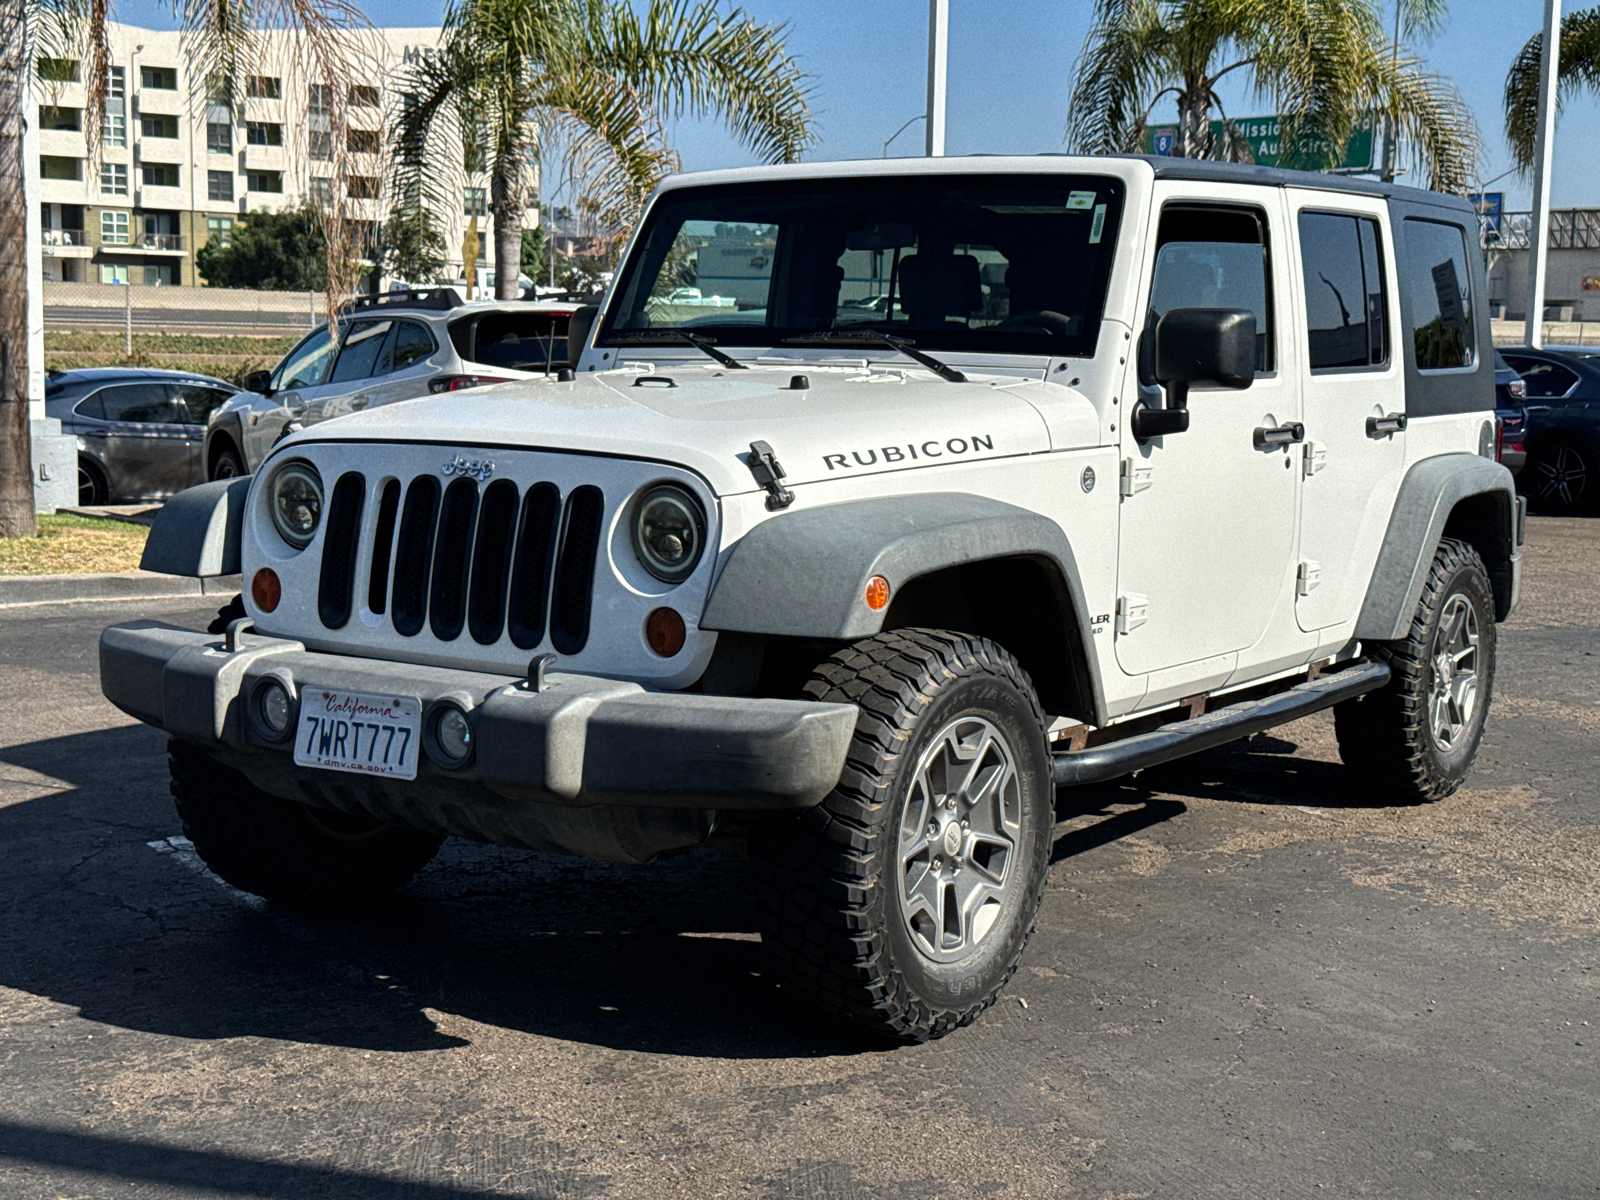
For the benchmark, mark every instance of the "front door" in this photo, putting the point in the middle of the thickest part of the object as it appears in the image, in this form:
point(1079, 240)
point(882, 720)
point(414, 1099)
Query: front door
point(1355, 452)
point(1208, 515)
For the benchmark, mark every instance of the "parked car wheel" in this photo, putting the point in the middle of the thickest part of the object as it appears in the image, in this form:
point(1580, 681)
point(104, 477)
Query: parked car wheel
point(226, 464)
point(91, 483)
point(292, 853)
point(1416, 737)
point(1560, 479)
point(903, 902)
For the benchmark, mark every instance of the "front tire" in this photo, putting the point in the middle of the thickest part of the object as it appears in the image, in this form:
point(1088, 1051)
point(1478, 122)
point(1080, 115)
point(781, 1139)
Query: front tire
point(903, 902)
point(226, 464)
point(292, 853)
point(1560, 480)
point(1416, 738)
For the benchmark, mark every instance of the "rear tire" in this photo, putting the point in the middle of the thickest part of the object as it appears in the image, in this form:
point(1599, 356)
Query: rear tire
point(1560, 480)
point(903, 902)
point(1415, 738)
point(288, 852)
point(92, 488)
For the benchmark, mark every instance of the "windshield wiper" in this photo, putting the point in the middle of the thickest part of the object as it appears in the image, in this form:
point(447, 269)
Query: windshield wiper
point(846, 337)
point(657, 337)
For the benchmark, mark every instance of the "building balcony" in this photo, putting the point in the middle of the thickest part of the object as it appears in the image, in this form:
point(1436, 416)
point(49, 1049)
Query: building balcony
point(64, 191)
point(162, 243)
point(163, 102)
point(264, 158)
point(162, 197)
point(63, 143)
point(66, 243)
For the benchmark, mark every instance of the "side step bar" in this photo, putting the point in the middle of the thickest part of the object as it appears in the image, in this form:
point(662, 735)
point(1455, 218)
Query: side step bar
point(1215, 728)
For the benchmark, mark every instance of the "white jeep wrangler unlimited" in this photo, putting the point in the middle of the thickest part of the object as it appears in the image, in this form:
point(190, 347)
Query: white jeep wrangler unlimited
point(880, 500)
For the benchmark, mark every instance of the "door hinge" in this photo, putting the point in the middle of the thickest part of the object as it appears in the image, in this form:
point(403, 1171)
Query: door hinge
point(1133, 610)
point(1316, 457)
point(1135, 476)
point(1307, 577)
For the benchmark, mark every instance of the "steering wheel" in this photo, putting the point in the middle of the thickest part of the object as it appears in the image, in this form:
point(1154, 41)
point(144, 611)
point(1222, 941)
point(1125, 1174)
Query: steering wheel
point(1043, 321)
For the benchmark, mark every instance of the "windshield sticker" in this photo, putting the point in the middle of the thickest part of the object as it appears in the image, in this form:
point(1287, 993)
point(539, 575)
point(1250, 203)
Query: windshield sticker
point(1081, 199)
point(1097, 227)
point(910, 452)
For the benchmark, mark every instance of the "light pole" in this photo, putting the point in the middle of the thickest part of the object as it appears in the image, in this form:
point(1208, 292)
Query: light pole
point(1544, 147)
point(938, 60)
point(909, 123)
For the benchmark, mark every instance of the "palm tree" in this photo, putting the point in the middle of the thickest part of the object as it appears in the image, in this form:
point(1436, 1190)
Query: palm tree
point(222, 41)
point(515, 79)
point(1323, 64)
point(1579, 68)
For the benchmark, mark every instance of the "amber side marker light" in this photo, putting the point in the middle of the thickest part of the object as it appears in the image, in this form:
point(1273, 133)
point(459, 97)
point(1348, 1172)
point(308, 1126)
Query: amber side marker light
point(664, 630)
point(265, 589)
point(877, 593)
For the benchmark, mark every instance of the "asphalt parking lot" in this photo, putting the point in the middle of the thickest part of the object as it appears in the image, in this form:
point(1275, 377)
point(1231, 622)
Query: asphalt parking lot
point(1247, 981)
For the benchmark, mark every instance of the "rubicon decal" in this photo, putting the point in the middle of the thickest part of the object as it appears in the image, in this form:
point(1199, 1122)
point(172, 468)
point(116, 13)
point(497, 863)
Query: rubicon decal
point(933, 448)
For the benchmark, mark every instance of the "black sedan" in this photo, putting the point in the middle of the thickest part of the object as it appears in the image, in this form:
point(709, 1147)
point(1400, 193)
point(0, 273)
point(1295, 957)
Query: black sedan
point(140, 432)
point(1510, 396)
point(1563, 439)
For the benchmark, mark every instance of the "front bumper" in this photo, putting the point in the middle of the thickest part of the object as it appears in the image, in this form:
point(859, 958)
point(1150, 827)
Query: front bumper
point(579, 742)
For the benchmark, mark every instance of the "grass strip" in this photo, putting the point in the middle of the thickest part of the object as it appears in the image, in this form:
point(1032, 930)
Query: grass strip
point(68, 544)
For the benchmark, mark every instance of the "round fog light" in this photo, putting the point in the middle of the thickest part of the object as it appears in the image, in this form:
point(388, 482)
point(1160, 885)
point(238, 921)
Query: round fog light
point(273, 708)
point(665, 632)
point(452, 736)
point(266, 590)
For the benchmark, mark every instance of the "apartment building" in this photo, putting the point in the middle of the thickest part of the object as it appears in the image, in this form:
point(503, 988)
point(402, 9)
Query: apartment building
point(178, 165)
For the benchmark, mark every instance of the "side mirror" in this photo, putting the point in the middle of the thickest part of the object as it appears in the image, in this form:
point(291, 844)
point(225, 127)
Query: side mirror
point(579, 326)
point(1196, 345)
point(256, 381)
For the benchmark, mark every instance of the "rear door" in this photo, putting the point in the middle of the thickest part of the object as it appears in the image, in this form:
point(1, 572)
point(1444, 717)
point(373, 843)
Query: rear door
point(362, 353)
point(196, 402)
point(1354, 399)
point(410, 359)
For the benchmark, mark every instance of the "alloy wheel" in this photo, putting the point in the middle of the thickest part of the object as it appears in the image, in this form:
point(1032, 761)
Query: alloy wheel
point(1453, 688)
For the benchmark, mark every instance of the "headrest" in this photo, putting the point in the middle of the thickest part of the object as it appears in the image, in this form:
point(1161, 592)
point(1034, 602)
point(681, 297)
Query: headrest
point(936, 286)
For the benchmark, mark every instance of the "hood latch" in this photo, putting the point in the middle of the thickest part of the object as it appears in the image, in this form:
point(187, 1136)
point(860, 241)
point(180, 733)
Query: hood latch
point(767, 470)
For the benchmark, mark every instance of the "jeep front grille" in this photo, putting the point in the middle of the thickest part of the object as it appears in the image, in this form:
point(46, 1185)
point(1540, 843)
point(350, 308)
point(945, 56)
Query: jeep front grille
point(488, 560)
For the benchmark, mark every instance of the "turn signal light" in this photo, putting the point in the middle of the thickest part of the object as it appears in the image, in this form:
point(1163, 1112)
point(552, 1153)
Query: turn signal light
point(664, 630)
point(265, 590)
point(877, 593)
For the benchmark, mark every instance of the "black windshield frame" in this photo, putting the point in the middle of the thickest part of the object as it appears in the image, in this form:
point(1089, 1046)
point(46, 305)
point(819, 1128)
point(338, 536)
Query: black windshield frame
point(1064, 226)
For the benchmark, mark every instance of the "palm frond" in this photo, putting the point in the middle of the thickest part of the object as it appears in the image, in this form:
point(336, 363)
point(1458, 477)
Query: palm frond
point(1579, 68)
point(1126, 56)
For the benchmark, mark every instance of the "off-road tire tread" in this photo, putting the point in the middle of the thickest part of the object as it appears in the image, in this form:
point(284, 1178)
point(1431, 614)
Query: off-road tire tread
point(263, 844)
point(1384, 736)
point(812, 901)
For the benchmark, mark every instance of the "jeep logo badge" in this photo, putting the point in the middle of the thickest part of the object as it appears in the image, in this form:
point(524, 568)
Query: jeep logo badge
point(1087, 479)
point(479, 469)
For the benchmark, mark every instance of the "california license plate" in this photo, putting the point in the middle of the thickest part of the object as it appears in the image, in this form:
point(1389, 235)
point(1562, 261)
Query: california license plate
point(354, 731)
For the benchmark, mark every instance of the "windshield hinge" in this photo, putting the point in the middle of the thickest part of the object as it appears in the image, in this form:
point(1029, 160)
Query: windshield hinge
point(766, 468)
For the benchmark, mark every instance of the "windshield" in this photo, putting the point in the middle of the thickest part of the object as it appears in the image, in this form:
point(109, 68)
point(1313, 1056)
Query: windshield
point(1005, 263)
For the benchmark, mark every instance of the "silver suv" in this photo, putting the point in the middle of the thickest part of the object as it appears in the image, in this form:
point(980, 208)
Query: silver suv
point(397, 346)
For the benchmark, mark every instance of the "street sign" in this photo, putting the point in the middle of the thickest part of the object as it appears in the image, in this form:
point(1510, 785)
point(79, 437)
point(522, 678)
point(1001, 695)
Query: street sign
point(1491, 207)
point(1261, 134)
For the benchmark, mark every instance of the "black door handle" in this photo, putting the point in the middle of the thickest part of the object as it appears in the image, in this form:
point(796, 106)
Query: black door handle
point(1282, 435)
point(1378, 427)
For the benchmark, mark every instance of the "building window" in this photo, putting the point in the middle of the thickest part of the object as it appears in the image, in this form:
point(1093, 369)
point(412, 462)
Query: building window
point(158, 127)
point(116, 130)
point(53, 167)
point(58, 70)
point(158, 175)
point(321, 191)
point(113, 227)
point(477, 202)
point(364, 141)
point(113, 179)
point(363, 95)
point(265, 181)
point(363, 187)
point(219, 185)
point(161, 274)
point(114, 273)
point(264, 87)
point(220, 229)
point(321, 99)
point(219, 137)
point(320, 145)
point(164, 78)
point(66, 119)
point(264, 133)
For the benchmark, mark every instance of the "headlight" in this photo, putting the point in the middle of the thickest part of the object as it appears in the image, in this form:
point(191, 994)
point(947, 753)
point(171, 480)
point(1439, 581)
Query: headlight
point(669, 532)
point(296, 500)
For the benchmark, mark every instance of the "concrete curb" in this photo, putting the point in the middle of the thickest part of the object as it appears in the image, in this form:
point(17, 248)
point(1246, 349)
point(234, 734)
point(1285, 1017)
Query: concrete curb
point(17, 591)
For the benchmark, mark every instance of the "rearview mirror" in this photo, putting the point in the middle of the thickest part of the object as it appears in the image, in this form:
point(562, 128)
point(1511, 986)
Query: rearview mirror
point(1195, 345)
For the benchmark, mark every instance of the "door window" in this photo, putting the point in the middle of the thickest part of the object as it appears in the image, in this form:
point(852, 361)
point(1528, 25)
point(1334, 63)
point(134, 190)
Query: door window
point(1545, 380)
point(1214, 257)
point(363, 346)
point(412, 343)
point(1440, 294)
point(143, 403)
point(199, 402)
point(1347, 316)
point(307, 363)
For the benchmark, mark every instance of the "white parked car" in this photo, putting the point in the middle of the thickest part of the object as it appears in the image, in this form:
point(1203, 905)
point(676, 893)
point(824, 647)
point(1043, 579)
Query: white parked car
point(1138, 456)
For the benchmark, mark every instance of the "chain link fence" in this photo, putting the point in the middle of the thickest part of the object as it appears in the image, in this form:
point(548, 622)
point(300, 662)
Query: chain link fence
point(237, 311)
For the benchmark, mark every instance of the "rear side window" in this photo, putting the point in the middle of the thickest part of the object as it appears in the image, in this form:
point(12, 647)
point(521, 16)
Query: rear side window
point(358, 358)
point(145, 403)
point(412, 344)
point(1438, 287)
point(1544, 380)
point(518, 341)
point(1347, 315)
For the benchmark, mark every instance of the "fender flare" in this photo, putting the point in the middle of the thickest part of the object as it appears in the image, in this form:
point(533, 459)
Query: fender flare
point(199, 531)
point(804, 574)
point(1429, 493)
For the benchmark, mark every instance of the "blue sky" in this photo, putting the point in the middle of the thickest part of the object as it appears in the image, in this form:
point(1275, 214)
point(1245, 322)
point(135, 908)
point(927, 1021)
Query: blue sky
point(1010, 74)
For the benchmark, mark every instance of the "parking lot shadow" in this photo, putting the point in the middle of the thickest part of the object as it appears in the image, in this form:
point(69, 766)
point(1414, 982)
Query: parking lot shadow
point(107, 914)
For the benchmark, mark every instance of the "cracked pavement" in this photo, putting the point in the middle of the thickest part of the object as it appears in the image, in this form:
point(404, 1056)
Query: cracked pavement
point(1247, 980)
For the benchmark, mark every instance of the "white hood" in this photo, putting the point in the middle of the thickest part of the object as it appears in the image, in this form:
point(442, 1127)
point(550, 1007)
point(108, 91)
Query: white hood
point(849, 422)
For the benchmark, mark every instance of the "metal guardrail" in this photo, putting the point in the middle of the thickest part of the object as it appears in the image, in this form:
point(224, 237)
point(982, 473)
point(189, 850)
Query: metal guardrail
point(162, 241)
point(64, 237)
point(1570, 229)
